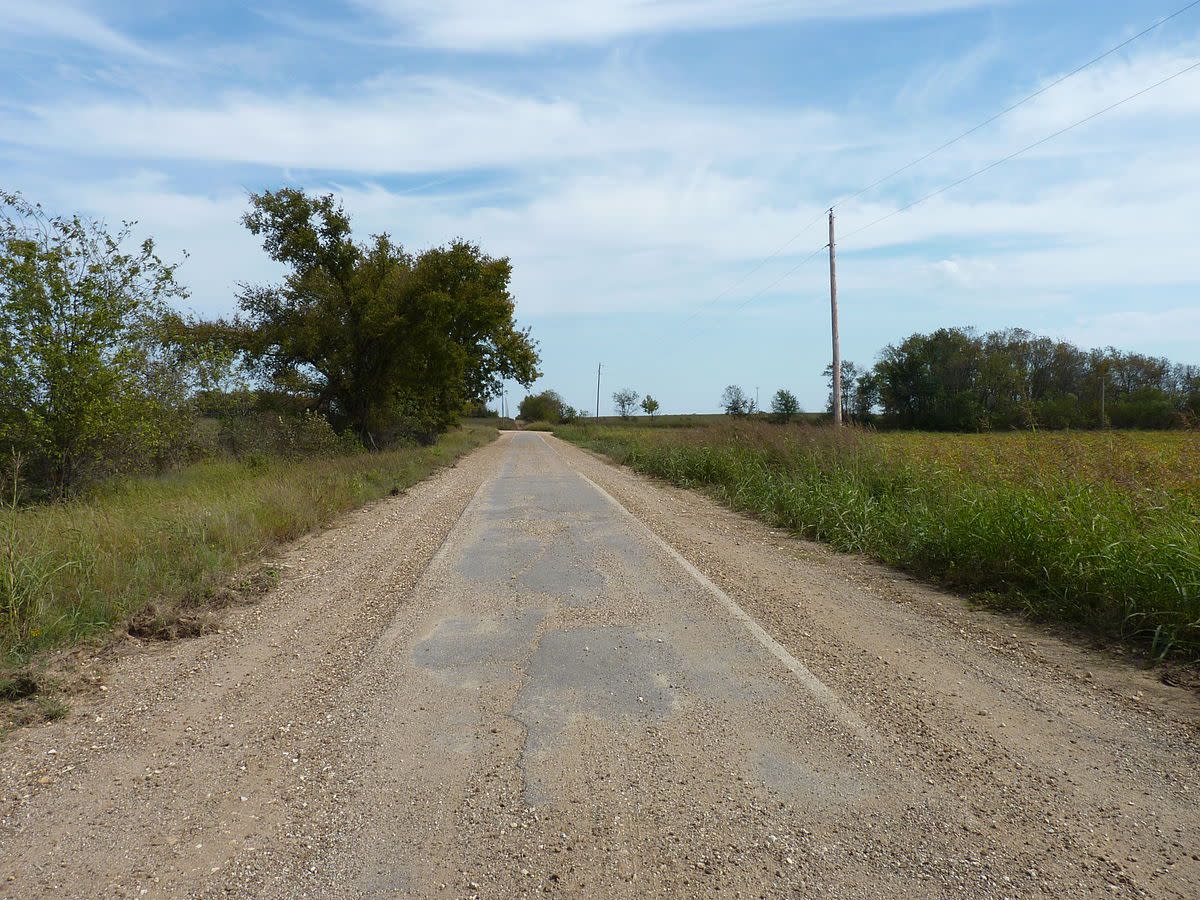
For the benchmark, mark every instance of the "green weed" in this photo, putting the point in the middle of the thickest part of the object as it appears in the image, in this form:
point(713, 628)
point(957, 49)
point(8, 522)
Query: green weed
point(1094, 542)
point(139, 549)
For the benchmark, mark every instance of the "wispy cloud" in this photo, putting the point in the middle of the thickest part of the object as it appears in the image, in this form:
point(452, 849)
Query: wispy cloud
point(1107, 84)
point(523, 24)
point(410, 125)
point(54, 20)
point(636, 184)
point(1133, 328)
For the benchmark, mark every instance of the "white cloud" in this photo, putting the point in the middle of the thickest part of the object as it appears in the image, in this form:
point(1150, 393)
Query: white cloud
point(652, 238)
point(964, 273)
point(614, 197)
point(522, 24)
point(1102, 86)
point(63, 21)
point(412, 125)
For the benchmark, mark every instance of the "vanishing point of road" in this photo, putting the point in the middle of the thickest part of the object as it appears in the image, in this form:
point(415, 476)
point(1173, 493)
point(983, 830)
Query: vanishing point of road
point(536, 674)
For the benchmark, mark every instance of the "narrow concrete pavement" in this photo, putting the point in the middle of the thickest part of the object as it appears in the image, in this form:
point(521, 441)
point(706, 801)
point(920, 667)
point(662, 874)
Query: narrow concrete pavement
point(539, 675)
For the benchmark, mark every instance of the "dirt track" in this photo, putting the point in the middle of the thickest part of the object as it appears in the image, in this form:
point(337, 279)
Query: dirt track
point(507, 682)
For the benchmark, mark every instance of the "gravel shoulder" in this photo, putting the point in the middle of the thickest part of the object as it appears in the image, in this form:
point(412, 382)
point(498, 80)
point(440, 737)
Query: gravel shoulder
point(1079, 764)
point(496, 685)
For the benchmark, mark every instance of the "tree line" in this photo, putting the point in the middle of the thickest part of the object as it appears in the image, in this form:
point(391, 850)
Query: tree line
point(362, 343)
point(549, 406)
point(957, 379)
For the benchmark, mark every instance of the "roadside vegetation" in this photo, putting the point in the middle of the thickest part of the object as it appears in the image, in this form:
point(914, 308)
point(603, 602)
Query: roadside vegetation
point(547, 408)
point(146, 456)
point(159, 556)
point(102, 376)
point(1095, 530)
point(155, 553)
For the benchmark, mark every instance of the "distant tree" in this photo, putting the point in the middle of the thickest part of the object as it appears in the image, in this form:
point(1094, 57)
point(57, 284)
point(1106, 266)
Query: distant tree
point(956, 379)
point(478, 409)
point(548, 406)
point(784, 406)
point(625, 401)
point(734, 401)
point(850, 375)
point(865, 397)
point(649, 406)
point(931, 381)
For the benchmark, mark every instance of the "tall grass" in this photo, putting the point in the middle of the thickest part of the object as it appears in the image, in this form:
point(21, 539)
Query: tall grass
point(73, 569)
point(1082, 542)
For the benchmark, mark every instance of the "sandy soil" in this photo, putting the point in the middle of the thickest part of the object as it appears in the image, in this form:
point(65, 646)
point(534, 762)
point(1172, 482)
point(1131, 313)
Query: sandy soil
point(537, 674)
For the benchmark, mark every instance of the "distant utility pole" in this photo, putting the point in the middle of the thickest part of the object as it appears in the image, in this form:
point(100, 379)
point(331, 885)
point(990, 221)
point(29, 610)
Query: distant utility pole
point(837, 347)
point(598, 366)
point(756, 398)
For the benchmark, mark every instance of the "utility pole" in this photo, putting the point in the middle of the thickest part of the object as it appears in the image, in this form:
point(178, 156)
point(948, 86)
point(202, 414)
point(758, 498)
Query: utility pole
point(598, 367)
point(837, 347)
point(756, 398)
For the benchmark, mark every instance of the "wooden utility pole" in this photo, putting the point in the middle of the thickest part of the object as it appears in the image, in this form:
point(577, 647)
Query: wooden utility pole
point(598, 366)
point(837, 347)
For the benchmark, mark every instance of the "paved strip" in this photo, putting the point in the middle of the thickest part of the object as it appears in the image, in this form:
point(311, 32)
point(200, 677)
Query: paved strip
point(514, 681)
point(814, 685)
point(564, 702)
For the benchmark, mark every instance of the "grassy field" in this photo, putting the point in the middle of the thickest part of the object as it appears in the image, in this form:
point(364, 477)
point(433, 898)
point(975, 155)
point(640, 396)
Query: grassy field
point(71, 570)
point(686, 420)
point(1099, 530)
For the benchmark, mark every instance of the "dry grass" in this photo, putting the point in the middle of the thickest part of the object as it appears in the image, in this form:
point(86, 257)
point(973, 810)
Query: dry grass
point(157, 554)
point(1097, 530)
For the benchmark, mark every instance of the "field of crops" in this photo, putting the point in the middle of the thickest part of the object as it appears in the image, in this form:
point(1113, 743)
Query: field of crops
point(1100, 529)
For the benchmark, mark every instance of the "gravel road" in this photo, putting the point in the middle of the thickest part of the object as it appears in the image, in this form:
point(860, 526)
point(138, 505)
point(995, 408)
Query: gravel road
point(537, 674)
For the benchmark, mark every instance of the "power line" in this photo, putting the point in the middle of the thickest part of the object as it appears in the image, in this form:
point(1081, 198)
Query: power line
point(766, 289)
point(975, 174)
point(1107, 53)
point(1004, 112)
point(793, 269)
point(1023, 150)
point(760, 264)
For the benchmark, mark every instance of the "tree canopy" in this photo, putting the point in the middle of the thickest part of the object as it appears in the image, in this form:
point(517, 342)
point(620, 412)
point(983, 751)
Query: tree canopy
point(625, 400)
point(735, 401)
point(784, 406)
point(89, 380)
point(382, 341)
point(548, 406)
point(957, 379)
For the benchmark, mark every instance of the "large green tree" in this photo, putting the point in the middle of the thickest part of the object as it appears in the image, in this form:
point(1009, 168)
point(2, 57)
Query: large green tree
point(89, 378)
point(382, 341)
point(956, 379)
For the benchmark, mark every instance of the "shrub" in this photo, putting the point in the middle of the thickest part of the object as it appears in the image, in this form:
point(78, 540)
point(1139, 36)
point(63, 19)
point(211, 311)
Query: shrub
point(90, 383)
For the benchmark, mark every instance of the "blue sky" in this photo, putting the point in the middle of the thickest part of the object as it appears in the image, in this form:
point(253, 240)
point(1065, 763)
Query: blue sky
point(639, 160)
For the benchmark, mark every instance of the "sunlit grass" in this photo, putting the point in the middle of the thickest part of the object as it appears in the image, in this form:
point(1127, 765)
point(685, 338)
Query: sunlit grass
point(74, 569)
point(1097, 530)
